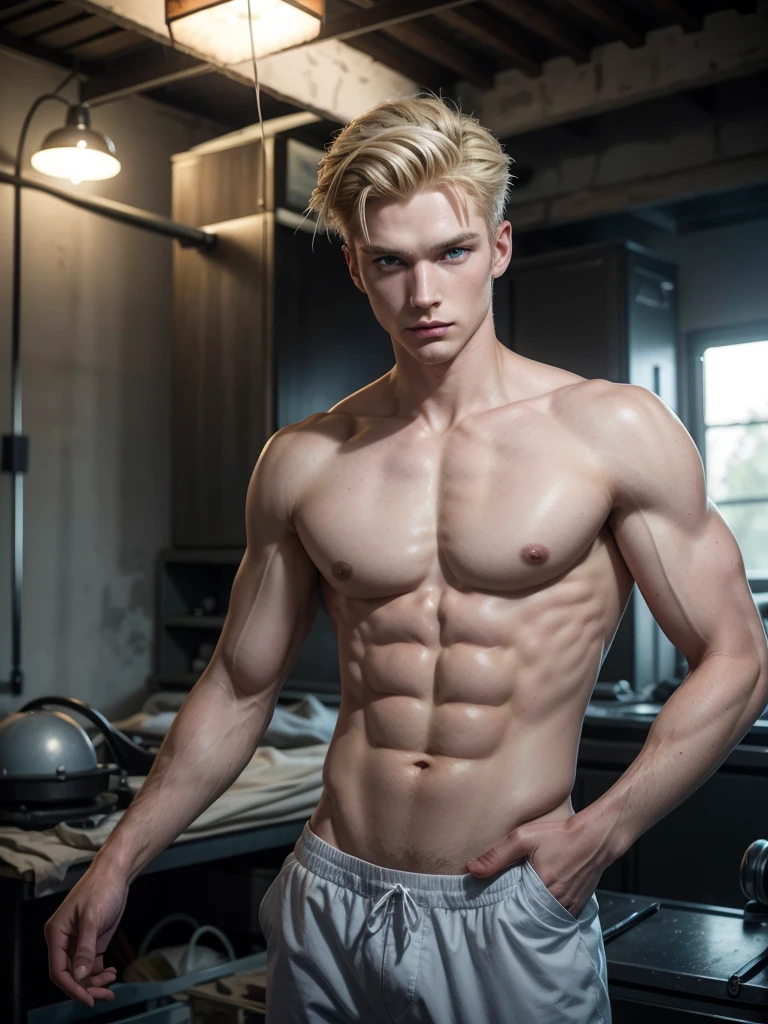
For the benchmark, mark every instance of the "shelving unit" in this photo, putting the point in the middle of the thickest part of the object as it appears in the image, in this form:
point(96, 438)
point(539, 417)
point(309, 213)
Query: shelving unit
point(192, 598)
point(191, 601)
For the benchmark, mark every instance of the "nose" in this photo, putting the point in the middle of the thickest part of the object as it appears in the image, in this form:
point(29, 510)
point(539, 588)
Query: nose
point(425, 290)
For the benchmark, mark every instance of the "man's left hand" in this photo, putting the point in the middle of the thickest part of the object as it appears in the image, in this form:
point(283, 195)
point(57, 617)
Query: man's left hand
point(566, 855)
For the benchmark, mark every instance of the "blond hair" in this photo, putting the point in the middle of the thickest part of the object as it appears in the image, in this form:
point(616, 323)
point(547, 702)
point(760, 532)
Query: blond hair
point(400, 148)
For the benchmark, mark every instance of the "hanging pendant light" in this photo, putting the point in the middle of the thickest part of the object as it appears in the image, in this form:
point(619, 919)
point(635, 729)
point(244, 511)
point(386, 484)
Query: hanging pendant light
point(77, 151)
point(219, 30)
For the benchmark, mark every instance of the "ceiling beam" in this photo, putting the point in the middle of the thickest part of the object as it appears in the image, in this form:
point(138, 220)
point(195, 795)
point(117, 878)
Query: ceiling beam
point(144, 71)
point(729, 45)
point(420, 69)
point(331, 78)
point(535, 19)
point(455, 58)
point(679, 12)
point(15, 8)
point(381, 16)
point(720, 176)
point(609, 15)
point(494, 34)
point(8, 41)
point(168, 66)
point(51, 25)
point(79, 33)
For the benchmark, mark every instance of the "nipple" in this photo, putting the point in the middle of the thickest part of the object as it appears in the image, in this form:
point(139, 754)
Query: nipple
point(536, 554)
point(341, 570)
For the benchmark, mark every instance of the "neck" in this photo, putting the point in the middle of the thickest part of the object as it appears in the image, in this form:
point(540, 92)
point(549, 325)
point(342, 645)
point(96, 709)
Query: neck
point(443, 393)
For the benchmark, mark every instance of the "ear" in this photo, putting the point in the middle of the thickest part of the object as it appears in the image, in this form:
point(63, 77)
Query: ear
point(502, 249)
point(354, 270)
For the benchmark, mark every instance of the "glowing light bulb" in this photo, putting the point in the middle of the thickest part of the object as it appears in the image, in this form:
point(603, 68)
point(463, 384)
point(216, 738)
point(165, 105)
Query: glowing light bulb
point(77, 152)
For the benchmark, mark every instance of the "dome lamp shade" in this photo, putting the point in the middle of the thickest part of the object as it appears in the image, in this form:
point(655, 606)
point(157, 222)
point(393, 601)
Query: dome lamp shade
point(77, 151)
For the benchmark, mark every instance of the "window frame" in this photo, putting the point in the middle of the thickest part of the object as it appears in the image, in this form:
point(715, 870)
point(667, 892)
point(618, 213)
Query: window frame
point(696, 341)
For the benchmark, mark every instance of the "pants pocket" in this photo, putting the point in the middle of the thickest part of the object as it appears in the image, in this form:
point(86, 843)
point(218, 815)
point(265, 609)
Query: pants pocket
point(545, 897)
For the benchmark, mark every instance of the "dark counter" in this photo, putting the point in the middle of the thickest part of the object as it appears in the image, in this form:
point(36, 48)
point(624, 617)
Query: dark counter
point(675, 965)
point(694, 853)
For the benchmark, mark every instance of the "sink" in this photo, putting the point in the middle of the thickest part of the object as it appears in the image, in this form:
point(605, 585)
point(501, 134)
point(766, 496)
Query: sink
point(612, 709)
point(637, 709)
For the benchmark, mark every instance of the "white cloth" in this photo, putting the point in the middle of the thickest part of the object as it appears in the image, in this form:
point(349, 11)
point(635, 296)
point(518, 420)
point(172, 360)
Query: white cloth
point(299, 724)
point(275, 786)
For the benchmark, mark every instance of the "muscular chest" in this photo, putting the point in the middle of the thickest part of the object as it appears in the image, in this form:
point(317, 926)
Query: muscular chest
point(494, 506)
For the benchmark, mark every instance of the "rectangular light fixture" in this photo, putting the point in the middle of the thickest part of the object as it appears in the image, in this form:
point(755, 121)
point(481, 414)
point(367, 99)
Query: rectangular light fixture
point(218, 29)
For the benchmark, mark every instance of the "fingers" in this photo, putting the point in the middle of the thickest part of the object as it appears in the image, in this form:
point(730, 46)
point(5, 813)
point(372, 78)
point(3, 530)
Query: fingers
point(99, 992)
point(509, 850)
point(58, 965)
point(61, 968)
point(84, 960)
point(106, 977)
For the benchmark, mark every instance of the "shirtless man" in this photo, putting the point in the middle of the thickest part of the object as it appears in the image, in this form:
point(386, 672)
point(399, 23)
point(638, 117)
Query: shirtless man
point(475, 521)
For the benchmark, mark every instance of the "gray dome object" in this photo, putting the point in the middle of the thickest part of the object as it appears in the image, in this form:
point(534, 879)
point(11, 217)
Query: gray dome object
point(44, 743)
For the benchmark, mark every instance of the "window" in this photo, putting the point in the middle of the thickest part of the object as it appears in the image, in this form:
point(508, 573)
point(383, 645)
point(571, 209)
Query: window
point(732, 402)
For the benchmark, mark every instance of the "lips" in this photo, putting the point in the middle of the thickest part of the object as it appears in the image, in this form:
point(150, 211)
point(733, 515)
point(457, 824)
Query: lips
point(428, 325)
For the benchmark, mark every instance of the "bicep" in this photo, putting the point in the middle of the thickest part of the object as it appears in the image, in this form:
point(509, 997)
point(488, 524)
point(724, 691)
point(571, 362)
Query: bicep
point(275, 593)
point(682, 554)
point(691, 576)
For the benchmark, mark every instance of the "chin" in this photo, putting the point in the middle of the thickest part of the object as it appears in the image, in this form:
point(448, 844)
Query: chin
point(430, 349)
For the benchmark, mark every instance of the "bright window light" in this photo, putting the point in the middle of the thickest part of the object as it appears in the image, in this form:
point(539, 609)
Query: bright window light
point(736, 442)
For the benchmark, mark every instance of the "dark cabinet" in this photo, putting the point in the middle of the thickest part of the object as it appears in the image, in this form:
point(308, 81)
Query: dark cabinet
point(328, 344)
point(606, 311)
point(221, 363)
point(694, 852)
point(221, 396)
point(590, 784)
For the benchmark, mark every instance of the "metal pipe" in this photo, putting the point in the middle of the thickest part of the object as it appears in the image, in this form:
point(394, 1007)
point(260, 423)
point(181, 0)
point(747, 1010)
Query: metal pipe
point(189, 237)
point(15, 445)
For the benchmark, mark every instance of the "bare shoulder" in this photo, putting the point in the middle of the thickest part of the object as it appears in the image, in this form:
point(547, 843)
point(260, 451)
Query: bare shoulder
point(291, 458)
point(312, 434)
point(639, 443)
point(602, 407)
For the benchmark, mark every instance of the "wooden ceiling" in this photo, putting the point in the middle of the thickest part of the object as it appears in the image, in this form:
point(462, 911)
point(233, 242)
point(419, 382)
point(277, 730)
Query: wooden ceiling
point(470, 41)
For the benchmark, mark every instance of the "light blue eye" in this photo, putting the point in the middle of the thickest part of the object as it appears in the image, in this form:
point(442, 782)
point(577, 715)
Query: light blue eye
point(458, 249)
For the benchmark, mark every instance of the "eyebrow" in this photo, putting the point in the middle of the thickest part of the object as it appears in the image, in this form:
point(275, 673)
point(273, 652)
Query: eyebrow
point(384, 250)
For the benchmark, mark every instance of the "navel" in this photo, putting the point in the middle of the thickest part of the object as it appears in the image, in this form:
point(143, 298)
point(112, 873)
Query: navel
point(421, 764)
point(534, 554)
point(341, 570)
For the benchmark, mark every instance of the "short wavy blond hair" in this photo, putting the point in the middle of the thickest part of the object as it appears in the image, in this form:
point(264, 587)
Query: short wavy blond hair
point(400, 148)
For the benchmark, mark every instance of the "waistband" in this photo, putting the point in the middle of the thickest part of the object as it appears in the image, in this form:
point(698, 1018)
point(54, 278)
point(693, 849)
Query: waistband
point(428, 890)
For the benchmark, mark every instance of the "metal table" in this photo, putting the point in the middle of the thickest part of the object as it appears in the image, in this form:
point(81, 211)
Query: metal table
point(676, 964)
point(18, 891)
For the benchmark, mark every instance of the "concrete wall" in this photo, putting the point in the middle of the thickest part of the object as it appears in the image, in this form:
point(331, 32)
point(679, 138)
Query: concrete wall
point(96, 322)
point(723, 274)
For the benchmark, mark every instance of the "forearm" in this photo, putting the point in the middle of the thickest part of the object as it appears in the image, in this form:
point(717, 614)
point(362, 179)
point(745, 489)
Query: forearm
point(692, 735)
point(211, 740)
